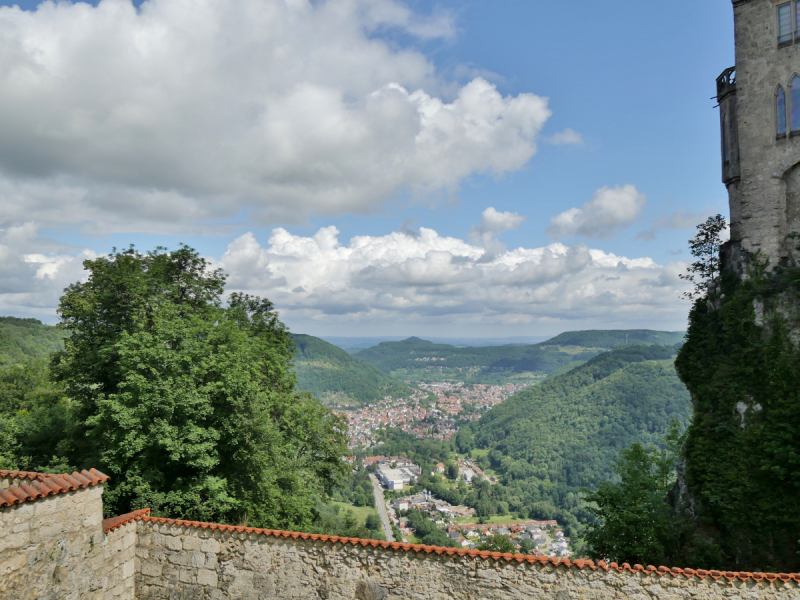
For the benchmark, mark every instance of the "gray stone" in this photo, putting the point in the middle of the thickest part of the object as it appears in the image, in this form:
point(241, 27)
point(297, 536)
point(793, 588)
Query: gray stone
point(367, 590)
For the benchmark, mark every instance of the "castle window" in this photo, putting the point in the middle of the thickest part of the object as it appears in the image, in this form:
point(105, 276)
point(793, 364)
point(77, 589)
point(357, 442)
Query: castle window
point(780, 101)
point(797, 20)
point(785, 23)
point(794, 100)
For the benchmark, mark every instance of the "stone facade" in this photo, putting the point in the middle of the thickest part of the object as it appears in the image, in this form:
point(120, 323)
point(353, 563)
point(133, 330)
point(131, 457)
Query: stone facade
point(761, 169)
point(54, 547)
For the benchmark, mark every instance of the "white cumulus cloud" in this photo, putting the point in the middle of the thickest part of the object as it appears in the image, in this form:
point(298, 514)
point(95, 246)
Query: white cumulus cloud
point(492, 224)
point(609, 211)
point(568, 137)
point(180, 114)
point(395, 284)
point(402, 283)
point(35, 271)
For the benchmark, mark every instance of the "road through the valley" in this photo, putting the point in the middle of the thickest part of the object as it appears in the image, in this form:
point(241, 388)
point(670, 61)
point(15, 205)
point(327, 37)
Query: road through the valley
point(381, 504)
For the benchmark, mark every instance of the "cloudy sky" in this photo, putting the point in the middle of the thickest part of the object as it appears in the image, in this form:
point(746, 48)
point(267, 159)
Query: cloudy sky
point(374, 167)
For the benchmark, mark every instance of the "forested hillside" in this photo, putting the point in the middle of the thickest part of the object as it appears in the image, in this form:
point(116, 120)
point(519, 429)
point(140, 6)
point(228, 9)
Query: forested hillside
point(21, 339)
point(611, 338)
point(417, 359)
point(549, 441)
point(332, 375)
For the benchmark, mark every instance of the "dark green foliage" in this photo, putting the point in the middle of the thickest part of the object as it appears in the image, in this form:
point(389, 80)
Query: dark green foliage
point(333, 521)
point(355, 488)
point(428, 532)
point(634, 522)
point(36, 426)
point(611, 338)
point(499, 543)
point(323, 369)
point(373, 522)
point(187, 404)
point(742, 449)
point(549, 441)
point(22, 339)
point(451, 469)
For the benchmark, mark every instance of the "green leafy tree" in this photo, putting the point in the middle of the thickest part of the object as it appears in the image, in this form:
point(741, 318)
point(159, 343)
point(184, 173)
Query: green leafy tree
point(498, 543)
point(188, 404)
point(705, 246)
point(451, 469)
point(635, 524)
point(526, 546)
point(373, 523)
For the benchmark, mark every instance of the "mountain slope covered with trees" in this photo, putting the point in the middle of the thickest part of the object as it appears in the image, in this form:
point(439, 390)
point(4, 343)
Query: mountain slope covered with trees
point(22, 339)
point(418, 359)
point(332, 375)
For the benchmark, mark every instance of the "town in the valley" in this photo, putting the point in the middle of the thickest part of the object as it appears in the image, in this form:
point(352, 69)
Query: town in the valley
point(397, 473)
point(432, 411)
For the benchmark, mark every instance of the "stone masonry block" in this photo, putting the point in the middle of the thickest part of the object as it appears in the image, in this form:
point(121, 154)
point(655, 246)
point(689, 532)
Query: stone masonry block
point(188, 576)
point(173, 543)
point(209, 545)
point(198, 559)
point(207, 577)
point(191, 542)
point(127, 569)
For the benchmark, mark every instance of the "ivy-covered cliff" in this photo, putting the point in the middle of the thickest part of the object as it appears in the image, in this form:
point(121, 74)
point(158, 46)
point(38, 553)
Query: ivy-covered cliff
point(740, 481)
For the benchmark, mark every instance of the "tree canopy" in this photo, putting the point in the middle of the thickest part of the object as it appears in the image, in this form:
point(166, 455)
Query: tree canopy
point(189, 403)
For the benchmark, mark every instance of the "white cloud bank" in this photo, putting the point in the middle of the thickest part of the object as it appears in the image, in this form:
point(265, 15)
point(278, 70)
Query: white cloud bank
point(181, 114)
point(609, 211)
point(34, 272)
point(397, 283)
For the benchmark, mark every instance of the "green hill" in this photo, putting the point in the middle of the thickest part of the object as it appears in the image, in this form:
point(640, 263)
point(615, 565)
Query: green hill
point(611, 338)
point(21, 339)
point(417, 359)
point(333, 376)
point(547, 442)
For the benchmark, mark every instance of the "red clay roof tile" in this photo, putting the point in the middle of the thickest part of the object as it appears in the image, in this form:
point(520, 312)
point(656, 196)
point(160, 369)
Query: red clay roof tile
point(31, 486)
point(114, 522)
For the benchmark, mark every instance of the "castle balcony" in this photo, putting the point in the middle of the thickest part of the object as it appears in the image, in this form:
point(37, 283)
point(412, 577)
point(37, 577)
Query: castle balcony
point(726, 83)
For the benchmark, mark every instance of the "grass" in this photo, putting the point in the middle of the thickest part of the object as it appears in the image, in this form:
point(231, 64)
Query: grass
point(359, 512)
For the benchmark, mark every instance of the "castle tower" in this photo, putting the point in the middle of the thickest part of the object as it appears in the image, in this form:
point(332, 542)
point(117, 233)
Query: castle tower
point(759, 103)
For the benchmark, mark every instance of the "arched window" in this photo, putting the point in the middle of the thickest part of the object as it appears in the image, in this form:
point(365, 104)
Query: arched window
point(780, 103)
point(794, 100)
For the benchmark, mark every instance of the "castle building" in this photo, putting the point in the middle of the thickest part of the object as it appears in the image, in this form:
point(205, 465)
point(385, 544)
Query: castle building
point(759, 101)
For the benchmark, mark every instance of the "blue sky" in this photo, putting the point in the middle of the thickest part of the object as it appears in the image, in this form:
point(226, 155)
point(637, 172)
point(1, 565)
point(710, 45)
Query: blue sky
point(632, 80)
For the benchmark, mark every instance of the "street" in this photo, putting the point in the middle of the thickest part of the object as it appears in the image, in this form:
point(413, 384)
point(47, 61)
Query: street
point(381, 504)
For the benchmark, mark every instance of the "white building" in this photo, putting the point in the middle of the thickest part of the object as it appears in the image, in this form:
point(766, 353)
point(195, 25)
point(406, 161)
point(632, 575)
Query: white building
point(395, 479)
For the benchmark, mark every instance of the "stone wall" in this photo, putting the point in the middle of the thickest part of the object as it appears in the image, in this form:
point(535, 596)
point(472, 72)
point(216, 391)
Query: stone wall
point(196, 561)
point(58, 547)
point(53, 547)
point(119, 548)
